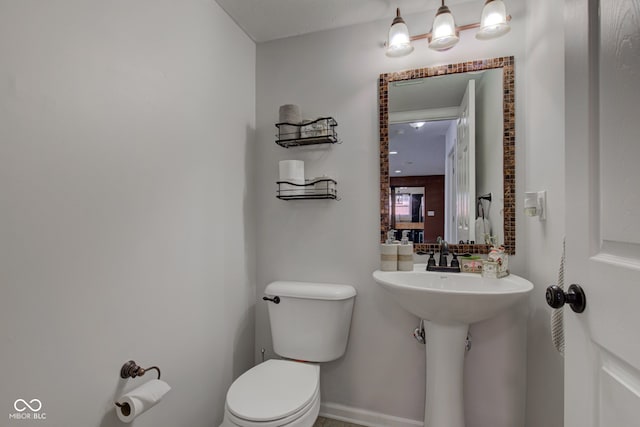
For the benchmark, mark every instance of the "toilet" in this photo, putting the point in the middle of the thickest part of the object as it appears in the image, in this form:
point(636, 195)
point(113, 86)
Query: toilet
point(309, 324)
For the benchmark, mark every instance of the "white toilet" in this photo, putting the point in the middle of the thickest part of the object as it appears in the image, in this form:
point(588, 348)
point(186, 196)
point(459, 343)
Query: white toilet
point(309, 324)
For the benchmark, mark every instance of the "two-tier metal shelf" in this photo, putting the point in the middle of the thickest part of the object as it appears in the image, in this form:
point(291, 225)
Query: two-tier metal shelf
point(319, 131)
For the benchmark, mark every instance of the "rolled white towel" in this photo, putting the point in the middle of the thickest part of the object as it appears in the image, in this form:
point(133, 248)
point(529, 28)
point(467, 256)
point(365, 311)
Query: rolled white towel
point(557, 315)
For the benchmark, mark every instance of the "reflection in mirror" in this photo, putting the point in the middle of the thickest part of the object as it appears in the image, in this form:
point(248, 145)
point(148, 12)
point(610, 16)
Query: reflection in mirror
point(424, 196)
point(450, 127)
point(445, 133)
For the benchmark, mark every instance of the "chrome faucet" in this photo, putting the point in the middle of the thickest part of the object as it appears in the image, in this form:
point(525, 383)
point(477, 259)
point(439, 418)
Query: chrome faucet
point(444, 251)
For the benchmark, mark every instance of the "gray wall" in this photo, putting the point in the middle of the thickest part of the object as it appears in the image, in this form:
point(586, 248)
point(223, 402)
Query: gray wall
point(125, 206)
point(544, 170)
point(129, 187)
point(336, 73)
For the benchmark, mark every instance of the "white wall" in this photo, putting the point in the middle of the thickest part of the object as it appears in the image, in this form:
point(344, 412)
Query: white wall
point(489, 149)
point(125, 206)
point(544, 130)
point(336, 73)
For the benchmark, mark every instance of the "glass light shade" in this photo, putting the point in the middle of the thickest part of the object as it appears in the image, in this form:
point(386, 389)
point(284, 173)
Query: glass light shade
point(444, 35)
point(493, 22)
point(399, 41)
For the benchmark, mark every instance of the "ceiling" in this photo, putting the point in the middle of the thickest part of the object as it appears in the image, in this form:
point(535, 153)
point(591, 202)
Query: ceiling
point(419, 151)
point(432, 92)
point(265, 20)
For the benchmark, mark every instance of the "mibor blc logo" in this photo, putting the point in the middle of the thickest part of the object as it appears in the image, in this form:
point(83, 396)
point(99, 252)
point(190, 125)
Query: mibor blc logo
point(27, 410)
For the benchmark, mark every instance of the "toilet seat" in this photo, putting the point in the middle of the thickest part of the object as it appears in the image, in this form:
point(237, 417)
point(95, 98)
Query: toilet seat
point(303, 418)
point(274, 393)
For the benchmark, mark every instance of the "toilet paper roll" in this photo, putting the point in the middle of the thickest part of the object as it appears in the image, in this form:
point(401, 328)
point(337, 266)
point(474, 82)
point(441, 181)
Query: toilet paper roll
point(289, 113)
point(292, 171)
point(141, 399)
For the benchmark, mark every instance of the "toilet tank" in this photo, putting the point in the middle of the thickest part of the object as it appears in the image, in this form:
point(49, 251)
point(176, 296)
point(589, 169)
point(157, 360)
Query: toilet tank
point(312, 320)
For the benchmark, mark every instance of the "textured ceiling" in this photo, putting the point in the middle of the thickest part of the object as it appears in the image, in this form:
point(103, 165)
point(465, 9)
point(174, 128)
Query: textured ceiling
point(265, 20)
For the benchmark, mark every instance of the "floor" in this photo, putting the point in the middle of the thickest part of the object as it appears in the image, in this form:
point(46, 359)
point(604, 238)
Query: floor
point(327, 422)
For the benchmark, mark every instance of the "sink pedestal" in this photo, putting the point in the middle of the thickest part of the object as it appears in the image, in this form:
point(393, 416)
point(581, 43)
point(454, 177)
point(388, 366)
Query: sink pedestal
point(452, 302)
point(445, 345)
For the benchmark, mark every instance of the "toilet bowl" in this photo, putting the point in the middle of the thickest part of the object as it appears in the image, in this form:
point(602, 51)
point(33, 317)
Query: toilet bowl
point(275, 393)
point(309, 321)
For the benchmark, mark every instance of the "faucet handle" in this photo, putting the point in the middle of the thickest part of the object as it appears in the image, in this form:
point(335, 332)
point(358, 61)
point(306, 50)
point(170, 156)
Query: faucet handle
point(454, 261)
point(431, 262)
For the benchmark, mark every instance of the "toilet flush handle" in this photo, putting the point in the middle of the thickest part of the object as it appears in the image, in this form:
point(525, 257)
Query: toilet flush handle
point(275, 299)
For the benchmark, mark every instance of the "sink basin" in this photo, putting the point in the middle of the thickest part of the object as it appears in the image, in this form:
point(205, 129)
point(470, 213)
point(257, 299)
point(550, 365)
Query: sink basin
point(451, 298)
point(449, 303)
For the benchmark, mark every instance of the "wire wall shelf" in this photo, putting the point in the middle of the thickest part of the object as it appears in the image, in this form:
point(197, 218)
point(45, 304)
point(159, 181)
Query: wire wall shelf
point(319, 131)
point(319, 188)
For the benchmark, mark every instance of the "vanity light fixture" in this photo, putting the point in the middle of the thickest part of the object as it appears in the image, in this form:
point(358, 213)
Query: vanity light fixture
point(398, 42)
point(494, 22)
point(417, 125)
point(393, 152)
point(398, 171)
point(444, 34)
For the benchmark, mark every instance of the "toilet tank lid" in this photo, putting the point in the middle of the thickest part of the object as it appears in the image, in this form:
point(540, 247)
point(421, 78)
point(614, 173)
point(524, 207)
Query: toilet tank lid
point(310, 290)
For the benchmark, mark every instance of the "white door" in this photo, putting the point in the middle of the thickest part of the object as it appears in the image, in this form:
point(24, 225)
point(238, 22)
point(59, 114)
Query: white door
point(466, 166)
point(450, 196)
point(602, 364)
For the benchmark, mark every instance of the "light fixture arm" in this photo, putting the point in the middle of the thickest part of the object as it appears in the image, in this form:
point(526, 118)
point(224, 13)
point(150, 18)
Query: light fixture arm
point(460, 28)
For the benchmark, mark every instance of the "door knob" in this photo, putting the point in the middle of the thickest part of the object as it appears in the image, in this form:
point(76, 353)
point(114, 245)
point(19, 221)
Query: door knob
point(575, 297)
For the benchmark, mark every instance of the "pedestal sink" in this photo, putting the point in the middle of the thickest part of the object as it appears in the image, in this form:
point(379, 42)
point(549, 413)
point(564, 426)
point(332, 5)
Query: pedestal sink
point(449, 303)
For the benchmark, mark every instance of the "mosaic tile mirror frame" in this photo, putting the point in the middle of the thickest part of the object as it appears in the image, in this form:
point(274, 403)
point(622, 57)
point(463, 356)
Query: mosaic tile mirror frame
point(508, 145)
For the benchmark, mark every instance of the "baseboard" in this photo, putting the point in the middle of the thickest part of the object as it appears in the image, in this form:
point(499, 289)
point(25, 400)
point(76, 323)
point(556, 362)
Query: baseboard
point(364, 417)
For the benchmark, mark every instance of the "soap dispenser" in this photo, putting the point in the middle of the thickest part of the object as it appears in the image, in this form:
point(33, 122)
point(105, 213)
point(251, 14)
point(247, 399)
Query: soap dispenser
point(389, 253)
point(405, 253)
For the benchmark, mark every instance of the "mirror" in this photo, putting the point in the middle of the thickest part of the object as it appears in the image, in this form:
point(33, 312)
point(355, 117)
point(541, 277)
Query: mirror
point(447, 155)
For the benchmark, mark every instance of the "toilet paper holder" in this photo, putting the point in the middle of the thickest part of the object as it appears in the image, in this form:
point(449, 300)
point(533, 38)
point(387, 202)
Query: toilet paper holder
point(131, 370)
